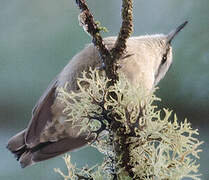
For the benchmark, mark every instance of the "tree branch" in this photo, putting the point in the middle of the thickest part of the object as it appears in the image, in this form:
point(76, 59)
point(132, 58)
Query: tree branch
point(126, 29)
point(87, 21)
point(109, 58)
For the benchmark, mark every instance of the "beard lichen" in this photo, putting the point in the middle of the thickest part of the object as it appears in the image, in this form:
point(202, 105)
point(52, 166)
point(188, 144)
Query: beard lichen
point(139, 141)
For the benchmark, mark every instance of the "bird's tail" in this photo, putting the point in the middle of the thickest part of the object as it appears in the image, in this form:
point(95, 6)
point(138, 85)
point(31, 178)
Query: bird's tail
point(28, 156)
point(16, 144)
point(18, 147)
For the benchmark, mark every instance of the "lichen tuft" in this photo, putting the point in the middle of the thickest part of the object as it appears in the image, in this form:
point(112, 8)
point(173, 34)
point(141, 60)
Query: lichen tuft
point(138, 140)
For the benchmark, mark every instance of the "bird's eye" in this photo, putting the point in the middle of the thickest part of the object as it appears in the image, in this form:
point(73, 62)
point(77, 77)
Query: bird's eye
point(164, 58)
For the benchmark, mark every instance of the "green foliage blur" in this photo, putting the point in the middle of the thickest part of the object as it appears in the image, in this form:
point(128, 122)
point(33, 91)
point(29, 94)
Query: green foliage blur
point(38, 37)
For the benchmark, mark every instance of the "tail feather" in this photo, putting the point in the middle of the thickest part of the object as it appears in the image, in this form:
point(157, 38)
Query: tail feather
point(56, 148)
point(43, 151)
point(17, 144)
point(26, 159)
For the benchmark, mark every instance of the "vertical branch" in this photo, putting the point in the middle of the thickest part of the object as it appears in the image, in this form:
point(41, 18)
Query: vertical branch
point(126, 29)
point(109, 58)
point(125, 32)
point(120, 137)
point(90, 26)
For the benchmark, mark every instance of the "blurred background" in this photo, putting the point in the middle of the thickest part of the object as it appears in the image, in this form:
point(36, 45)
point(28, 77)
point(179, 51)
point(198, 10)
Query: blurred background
point(38, 37)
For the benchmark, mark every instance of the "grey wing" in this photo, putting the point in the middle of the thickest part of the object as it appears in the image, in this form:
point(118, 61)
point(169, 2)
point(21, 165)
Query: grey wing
point(27, 145)
point(41, 114)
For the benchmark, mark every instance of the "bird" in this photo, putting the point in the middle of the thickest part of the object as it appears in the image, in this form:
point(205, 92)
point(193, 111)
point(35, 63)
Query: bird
point(146, 61)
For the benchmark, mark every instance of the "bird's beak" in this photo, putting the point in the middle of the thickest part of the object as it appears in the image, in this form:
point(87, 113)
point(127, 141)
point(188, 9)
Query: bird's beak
point(173, 33)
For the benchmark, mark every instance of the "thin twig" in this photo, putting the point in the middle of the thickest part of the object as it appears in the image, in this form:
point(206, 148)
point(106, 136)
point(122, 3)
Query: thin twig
point(89, 25)
point(126, 29)
point(109, 58)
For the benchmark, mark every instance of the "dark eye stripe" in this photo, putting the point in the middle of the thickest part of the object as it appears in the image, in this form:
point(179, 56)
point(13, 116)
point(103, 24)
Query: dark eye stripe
point(164, 58)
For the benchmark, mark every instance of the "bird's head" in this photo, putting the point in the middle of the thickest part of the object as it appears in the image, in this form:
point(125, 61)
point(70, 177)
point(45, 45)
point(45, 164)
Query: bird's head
point(162, 52)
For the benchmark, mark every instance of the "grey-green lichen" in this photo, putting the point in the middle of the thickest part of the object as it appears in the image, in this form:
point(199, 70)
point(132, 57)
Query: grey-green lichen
point(94, 173)
point(144, 143)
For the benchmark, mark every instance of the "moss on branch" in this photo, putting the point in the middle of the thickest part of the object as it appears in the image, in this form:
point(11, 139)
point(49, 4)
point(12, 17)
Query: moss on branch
point(143, 143)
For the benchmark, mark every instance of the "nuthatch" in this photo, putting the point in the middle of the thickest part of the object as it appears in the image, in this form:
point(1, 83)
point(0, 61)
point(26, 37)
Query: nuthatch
point(148, 59)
